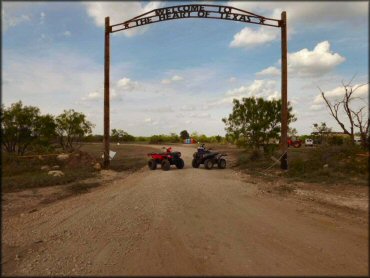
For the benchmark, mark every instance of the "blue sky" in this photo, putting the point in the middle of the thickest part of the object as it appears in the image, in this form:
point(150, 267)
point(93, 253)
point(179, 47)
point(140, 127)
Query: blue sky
point(180, 74)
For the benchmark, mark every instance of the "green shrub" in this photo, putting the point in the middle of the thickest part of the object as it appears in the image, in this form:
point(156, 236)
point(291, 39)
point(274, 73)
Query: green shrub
point(337, 162)
point(270, 149)
point(255, 155)
point(335, 140)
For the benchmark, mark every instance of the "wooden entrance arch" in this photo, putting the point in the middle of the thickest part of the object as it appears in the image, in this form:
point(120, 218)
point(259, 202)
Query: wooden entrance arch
point(205, 12)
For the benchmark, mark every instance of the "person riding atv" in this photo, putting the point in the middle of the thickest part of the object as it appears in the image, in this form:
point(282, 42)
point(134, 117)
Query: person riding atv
point(208, 158)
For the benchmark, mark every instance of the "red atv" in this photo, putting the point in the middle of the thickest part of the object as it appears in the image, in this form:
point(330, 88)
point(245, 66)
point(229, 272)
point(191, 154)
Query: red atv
point(294, 142)
point(166, 159)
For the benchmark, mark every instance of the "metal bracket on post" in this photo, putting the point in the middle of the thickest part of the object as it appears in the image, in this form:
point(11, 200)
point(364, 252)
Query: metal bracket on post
point(106, 93)
point(284, 93)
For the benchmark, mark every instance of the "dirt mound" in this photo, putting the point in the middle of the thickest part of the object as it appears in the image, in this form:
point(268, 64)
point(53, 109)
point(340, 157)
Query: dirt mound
point(80, 159)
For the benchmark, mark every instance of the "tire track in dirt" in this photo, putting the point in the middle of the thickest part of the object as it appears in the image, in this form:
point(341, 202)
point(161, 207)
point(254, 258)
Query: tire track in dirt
point(182, 222)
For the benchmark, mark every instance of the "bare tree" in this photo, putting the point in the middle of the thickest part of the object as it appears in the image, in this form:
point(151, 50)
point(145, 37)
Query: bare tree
point(356, 118)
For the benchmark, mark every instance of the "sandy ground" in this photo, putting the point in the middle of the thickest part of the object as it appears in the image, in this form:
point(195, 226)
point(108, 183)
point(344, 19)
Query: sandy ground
point(189, 222)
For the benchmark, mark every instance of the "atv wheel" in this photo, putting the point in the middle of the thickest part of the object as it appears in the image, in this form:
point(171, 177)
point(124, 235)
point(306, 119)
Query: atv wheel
point(166, 165)
point(222, 163)
point(180, 164)
point(195, 163)
point(152, 164)
point(208, 164)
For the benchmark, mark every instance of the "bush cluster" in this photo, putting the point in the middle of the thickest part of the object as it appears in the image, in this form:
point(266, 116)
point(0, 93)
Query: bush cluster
point(334, 161)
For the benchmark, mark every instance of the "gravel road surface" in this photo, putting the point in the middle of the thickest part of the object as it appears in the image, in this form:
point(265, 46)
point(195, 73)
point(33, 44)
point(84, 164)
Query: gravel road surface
point(182, 222)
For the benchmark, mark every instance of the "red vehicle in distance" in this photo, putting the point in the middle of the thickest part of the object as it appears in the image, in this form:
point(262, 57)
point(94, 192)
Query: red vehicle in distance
point(296, 143)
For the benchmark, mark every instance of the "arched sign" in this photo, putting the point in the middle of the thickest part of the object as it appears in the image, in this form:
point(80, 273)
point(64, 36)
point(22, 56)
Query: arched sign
point(194, 11)
point(205, 12)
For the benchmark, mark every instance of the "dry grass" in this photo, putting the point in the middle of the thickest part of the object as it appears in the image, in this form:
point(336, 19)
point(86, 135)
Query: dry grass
point(128, 156)
point(25, 173)
point(325, 164)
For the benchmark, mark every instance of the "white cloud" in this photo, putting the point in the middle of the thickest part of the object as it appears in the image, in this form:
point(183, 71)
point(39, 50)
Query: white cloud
point(127, 84)
point(9, 21)
point(99, 94)
point(57, 84)
point(314, 13)
point(317, 62)
point(338, 93)
point(120, 12)
point(94, 95)
point(259, 88)
point(199, 115)
point(316, 107)
point(249, 37)
point(67, 33)
point(270, 71)
point(47, 79)
point(232, 79)
point(299, 14)
point(308, 63)
point(273, 95)
point(150, 121)
point(174, 78)
point(187, 108)
point(42, 17)
point(167, 109)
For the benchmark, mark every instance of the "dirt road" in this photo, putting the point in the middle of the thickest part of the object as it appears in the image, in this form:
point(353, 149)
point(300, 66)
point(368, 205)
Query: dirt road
point(183, 222)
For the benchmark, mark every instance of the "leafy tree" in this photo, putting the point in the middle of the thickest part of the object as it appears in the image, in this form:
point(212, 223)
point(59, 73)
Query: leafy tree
point(184, 134)
point(45, 128)
point(94, 138)
point(120, 135)
point(142, 139)
point(71, 127)
point(255, 121)
point(292, 132)
point(174, 138)
point(322, 130)
point(194, 135)
point(218, 138)
point(22, 126)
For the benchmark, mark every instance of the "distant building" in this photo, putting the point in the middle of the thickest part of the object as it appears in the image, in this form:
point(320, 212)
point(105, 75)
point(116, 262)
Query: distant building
point(190, 141)
point(329, 133)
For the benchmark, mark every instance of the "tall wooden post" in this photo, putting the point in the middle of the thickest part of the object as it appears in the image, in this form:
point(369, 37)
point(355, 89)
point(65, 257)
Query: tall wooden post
point(284, 93)
point(106, 93)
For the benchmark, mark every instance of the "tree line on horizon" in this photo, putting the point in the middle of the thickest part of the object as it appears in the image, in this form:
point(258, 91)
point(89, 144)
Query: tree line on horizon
point(253, 123)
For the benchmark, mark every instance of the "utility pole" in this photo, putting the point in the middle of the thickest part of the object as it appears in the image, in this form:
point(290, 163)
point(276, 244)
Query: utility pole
point(106, 93)
point(284, 93)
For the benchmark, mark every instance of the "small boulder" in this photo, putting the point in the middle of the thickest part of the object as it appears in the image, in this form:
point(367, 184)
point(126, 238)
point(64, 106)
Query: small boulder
point(63, 156)
point(45, 168)
point(325, 166)
point(97, 166)
point(55, 167)
point(56, 173)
